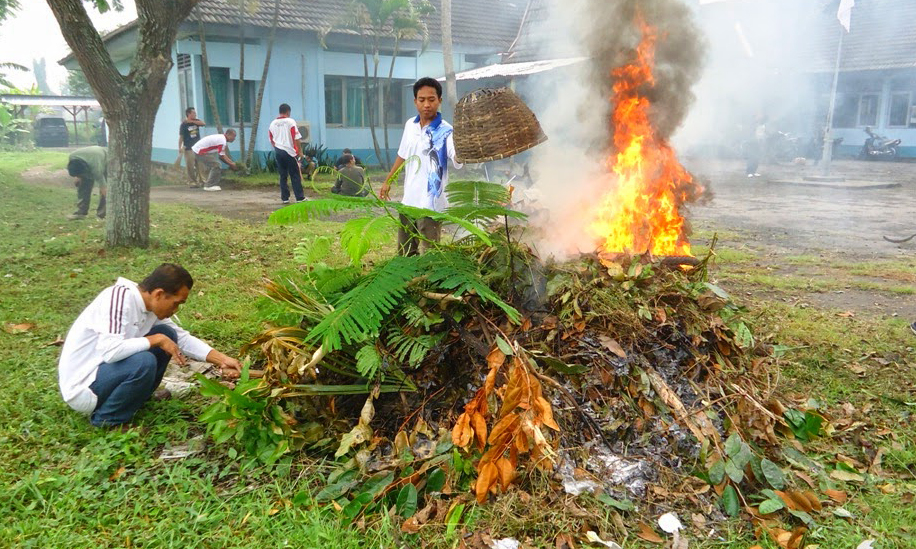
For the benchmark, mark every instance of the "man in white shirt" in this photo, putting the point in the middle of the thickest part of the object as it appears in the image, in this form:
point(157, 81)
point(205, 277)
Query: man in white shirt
point(117, 351)
point(426, 147)
point(284, 136)
point(210, 150)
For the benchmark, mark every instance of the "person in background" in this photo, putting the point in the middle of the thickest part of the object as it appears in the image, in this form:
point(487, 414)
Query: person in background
point(117, 350)
point(351, 179)
point(755, 146)
point(89, 166)
point(188, 136)
point(284, 136)
point(428, 141)
point(308, 166)
point(210, 150)
point(341, 163)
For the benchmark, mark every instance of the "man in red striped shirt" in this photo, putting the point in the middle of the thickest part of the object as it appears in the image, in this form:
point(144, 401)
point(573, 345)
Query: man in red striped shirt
point(210, 150)
point(284, 136)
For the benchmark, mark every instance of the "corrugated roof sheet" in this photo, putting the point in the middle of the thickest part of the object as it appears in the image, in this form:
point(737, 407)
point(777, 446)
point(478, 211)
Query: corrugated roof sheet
point(882, 36)
point(492, 23)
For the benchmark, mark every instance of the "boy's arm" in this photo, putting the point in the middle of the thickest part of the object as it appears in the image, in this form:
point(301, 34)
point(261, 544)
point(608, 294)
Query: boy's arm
point(386, 188)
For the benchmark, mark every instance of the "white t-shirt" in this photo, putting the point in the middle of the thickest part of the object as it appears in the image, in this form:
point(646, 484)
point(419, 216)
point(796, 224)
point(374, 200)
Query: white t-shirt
point(110, 329)
point(211, 144)
point(422, 159)
point(284, 134)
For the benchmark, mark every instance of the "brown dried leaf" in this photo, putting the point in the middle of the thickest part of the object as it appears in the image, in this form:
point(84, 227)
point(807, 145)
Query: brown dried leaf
point(461, 433)
point(808, 480)
point(480, 429)
point(838, 496)
point(509, 423)
point(612, 346)
point(489, 473)
point(117, 474)
point(647, 533)
point(18, 328)
point(546, 411)
point(506, 472)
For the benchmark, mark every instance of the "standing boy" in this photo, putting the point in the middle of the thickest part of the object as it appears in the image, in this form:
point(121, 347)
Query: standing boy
point(188, 136)
point(427, 146)
point(210, 150)
point(284, 136)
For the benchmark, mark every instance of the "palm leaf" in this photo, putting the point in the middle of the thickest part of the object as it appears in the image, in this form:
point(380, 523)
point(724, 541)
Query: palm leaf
point(478, 193)
point(457, 273)
point(322, 207)
point(360, 312)
point(360, 234)
point(470, 212)
point(310, 251)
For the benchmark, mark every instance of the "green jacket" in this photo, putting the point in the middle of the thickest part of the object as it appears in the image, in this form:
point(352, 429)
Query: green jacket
point(351, 181)
point(97, 159)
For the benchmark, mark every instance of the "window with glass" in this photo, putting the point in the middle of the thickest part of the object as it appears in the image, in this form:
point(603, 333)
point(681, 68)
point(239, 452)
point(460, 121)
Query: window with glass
point(249, 90)
point(345, 102)
point(868, 110)
point(846, 111)
point(219, 83)
point(899, 112)
point(185, 82)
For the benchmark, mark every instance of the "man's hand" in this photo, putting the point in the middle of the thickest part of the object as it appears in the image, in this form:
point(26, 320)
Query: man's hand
point(231, 368)
point(383, 192)
point(166, 344)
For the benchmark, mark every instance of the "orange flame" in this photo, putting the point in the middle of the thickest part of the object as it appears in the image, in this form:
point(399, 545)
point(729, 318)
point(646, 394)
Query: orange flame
point(642, 213)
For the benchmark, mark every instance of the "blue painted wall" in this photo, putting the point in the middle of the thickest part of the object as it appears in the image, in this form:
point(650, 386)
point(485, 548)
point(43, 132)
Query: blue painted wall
point(296, 76)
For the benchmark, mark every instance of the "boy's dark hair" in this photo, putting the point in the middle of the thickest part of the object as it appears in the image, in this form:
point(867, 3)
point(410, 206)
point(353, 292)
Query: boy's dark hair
point(188, 110)
point(230, 130)
point(284, 108)
point(347, 158)
point(77, 167)
point(347, 151)
point(427, 81)
point(169, 277)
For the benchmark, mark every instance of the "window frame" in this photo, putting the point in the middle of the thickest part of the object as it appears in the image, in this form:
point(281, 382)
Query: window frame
point(346, 83)
point(906, 114)
point(877, 114)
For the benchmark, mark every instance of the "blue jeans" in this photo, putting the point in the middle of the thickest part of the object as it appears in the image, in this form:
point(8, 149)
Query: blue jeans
point(123, 387)
point(288, 167)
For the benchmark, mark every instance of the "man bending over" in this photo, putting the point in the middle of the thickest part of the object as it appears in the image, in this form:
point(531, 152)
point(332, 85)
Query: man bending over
point(116, 352)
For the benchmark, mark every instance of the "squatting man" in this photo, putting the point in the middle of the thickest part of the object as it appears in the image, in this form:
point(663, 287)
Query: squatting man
point(117, 351)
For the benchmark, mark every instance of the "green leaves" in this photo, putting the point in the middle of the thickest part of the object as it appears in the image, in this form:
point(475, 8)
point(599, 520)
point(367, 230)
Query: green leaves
point(407, 501)
point(805, 425)
point(368, 361)
point(773, 474)
point(360, 234)
point(771, 506)
point(730, 502)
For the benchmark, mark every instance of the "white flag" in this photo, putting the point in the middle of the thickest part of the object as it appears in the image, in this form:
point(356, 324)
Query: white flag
point(845, 13)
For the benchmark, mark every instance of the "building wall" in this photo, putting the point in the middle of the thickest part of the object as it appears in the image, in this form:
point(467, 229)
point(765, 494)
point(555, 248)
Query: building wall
point(297, 77)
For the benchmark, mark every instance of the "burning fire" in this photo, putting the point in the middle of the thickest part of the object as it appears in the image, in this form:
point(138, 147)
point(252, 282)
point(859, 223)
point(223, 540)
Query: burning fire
point(641, 213)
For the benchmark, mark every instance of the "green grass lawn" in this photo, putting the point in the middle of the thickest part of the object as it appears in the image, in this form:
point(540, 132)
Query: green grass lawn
point(64, 483)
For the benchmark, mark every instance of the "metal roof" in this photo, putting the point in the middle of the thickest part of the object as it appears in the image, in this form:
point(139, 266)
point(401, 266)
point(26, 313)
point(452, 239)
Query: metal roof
point(882, 36)
point(492, 23)
point(516, 69)
point(49, 100)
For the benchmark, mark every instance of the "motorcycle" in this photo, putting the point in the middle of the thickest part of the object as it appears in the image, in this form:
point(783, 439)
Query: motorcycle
point(878, 147)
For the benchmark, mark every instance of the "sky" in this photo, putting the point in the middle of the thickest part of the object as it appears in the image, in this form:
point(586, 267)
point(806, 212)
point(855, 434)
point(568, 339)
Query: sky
point(33, 33)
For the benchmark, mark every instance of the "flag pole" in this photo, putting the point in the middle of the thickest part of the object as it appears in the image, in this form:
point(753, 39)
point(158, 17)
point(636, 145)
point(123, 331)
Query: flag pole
point(828, 132)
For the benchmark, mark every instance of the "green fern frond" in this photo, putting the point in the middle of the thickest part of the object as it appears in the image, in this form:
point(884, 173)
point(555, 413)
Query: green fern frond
point(412, 349)
point(416, 317)
point(442, 217)
point(311, 251)
point(457, 273)
point(368, 361)
point(322, 207)
point(476, 193)
point(360, 234)
point(330, 282)
point(358, 314)
point(470, 212)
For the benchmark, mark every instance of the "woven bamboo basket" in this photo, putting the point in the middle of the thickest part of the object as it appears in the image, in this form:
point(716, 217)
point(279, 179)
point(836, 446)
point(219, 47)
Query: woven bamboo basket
point(491, 124)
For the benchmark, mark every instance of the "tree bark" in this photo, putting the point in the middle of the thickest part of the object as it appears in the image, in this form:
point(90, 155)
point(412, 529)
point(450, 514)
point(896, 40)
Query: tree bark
point(369, 111)
point(394, 57)
point(208, 84)
point(240, 108)
point(129, 103)
point(451, 84)
point(257, 103)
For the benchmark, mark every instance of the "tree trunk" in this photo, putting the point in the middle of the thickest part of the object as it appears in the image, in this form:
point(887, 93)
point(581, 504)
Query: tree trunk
point(208, 85)
point(369, 111)
point(129, 103)
point(257, 103)
point(241, 105)
point(394, 56)
point(451, 84)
